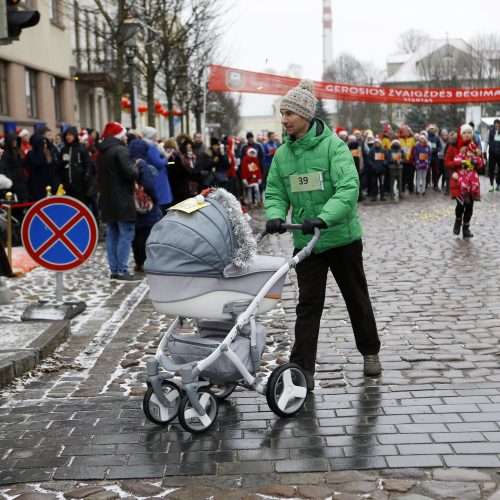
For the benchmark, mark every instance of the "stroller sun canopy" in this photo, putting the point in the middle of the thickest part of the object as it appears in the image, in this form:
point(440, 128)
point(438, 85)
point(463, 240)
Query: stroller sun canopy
point(191, 244)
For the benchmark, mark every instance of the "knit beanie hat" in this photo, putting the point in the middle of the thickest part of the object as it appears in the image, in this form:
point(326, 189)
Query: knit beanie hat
point(150, 133)
point(300, 100)
point(466, 128)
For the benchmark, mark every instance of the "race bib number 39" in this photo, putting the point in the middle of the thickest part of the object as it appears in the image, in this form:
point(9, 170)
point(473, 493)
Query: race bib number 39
point(306, 182)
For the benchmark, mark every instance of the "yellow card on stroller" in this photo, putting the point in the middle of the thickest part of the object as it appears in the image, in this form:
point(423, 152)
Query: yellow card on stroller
point(189, 206)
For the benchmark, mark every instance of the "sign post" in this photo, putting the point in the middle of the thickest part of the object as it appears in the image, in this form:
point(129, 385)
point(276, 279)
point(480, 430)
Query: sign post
point(60, 234)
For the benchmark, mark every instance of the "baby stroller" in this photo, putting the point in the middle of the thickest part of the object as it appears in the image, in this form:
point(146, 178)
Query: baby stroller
point(202, 264)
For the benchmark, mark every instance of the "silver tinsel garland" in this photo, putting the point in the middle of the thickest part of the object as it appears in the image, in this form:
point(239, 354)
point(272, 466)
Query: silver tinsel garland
point(246, 247)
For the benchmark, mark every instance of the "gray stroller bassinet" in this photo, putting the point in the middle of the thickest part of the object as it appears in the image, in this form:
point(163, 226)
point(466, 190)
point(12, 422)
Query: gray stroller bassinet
point(197, 266)
point(201, 263)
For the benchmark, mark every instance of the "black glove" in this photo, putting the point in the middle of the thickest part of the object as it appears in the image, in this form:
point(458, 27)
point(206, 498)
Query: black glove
point(274, 226)
point(309, 224)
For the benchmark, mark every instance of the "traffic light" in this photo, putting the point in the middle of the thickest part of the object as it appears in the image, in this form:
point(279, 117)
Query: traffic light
point(13, 20)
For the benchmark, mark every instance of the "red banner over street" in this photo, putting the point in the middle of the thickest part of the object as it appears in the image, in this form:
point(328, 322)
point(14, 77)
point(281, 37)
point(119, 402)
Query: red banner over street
point(224, 79)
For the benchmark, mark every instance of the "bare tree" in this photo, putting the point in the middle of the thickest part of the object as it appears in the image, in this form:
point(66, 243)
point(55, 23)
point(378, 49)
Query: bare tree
point(452, 66)
point(226, 111)
point(178, 41)
point(410, 40)
point(347, 69)
point(116, 37)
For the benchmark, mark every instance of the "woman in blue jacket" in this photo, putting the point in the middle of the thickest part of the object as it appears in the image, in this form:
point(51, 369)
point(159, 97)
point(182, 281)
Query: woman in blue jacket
point(138, 150)
point(160, 162)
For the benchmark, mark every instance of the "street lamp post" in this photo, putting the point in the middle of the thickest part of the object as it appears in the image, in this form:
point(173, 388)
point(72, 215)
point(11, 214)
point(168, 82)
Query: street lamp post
point(129, 57)
point(130, 27)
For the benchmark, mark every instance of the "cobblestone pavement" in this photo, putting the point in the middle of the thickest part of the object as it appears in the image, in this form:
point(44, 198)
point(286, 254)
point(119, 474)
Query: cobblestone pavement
point(427, 428)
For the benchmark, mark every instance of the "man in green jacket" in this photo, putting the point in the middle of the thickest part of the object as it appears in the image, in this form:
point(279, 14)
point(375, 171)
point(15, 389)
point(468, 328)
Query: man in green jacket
point(313, 173)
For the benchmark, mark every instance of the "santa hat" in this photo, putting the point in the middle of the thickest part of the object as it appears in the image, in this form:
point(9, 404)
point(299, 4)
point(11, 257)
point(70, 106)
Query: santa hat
point(352, 138)
point(114, 129)
point(387, 127)
point(339, 129)
point(377, 140)
point(343, 133)
point(251, 152)
point(395, 141)
point(422, 137)
point(83, 135)
point(356, 131)
point(23, 133)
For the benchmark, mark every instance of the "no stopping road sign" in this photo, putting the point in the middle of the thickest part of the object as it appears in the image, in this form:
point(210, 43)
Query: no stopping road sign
point(59, 233)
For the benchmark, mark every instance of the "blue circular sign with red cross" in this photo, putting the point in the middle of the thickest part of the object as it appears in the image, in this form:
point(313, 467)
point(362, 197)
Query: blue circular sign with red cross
point(59, 233)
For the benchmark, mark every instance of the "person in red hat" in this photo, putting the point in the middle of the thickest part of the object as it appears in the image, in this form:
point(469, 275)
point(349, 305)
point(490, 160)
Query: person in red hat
point(116, 178)
point(24, 135)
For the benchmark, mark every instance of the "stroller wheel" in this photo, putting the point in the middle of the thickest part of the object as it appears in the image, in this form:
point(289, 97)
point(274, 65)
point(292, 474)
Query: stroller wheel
point(190, 419)
point(286, 390)
point(155, 411)
point(222, 392)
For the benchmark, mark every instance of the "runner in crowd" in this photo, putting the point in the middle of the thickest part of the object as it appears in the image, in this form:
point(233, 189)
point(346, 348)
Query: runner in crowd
point(423, 155)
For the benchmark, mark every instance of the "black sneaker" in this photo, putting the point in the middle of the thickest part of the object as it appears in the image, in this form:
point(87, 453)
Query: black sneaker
point(127, 278)
point(457, 226)
point(372, 366)
point(113, 276)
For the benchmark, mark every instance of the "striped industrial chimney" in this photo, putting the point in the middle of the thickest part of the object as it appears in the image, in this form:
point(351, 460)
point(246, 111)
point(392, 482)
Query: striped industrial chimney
point(327, 35)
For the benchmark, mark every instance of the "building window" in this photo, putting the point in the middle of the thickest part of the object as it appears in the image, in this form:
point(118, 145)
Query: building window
point(4, 107)
point(56, 11)
point(57, 85)
point(31, 103)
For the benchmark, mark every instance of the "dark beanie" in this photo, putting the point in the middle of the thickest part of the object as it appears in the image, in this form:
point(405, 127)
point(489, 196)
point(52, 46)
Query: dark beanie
point(214, 141)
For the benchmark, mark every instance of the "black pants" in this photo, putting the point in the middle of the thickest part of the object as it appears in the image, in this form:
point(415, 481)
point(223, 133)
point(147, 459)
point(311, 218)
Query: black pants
point(346, 265)
point(408, 177)
point(139, 244)
point(464, 208)
point(494, 161)
point(378, 184)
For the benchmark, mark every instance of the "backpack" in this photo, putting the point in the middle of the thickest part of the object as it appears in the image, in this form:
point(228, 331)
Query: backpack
point(143, 202)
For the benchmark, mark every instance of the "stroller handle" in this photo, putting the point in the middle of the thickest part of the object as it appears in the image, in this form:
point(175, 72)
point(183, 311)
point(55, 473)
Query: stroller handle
point(287, 227)
point(306, 251)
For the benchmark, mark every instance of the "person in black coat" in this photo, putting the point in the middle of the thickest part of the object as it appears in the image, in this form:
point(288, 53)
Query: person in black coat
point(42, 168)
point(76, 169)
point(11, 165)
point(212, 166)
point(494, 154)
point(181, 174)
point(378, 159)
point(116, 177)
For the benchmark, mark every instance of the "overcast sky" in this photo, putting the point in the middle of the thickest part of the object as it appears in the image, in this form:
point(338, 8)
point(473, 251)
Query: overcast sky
point(262, 34)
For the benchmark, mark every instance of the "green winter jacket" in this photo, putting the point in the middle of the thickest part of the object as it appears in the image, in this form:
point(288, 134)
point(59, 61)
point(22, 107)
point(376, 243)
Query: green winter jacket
point(336, 204)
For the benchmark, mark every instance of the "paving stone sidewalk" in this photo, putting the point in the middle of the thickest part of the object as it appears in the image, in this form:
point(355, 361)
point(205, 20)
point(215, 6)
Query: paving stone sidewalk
point(428, 428)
